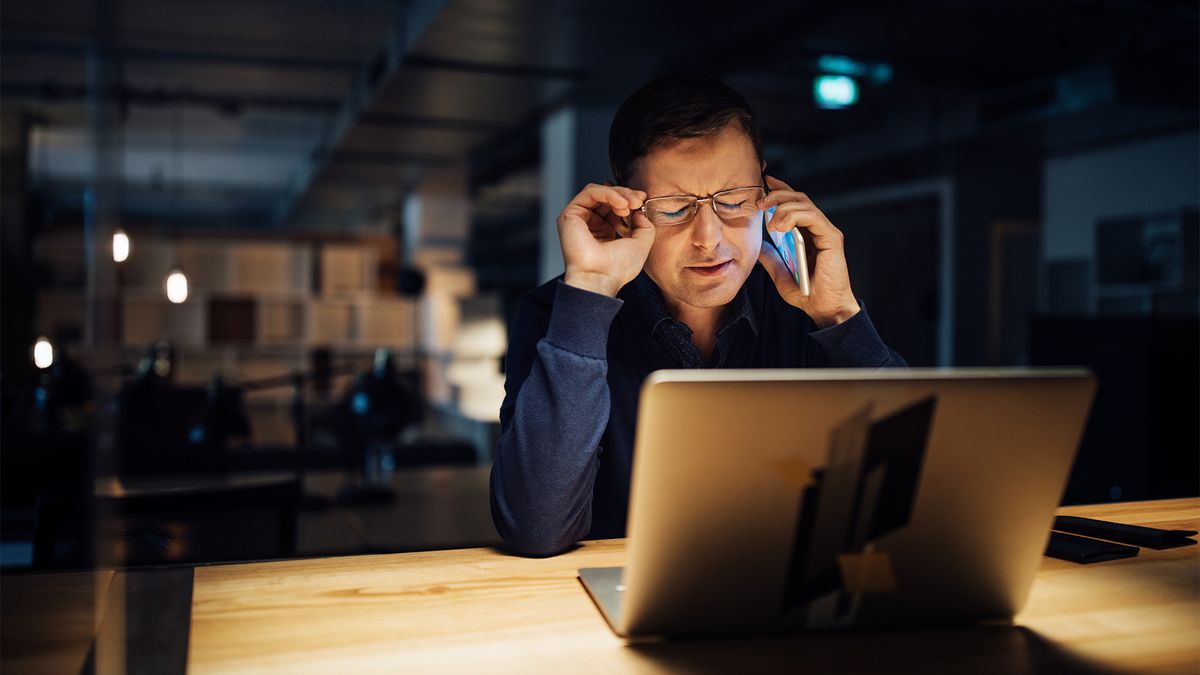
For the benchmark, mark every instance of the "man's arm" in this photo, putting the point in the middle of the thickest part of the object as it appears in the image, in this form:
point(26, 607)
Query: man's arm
point(844, 335)
point(556, 396)
point(853, 343)
point(555, 410)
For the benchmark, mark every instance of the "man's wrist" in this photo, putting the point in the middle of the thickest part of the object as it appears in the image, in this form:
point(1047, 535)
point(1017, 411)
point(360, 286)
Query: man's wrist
point(590, 281)
point(580, 320)
point(837, 318)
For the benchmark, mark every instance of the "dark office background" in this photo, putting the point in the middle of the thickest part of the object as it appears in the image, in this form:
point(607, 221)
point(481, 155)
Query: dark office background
point(358, 193)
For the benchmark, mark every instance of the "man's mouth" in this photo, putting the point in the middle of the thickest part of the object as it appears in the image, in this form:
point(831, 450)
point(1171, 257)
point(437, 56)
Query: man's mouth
point(711, 268)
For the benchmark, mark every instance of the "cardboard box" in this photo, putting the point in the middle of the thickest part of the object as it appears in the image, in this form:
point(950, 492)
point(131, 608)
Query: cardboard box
point(347, 268)
point(148, 320)
point(330, 322)
point(207, 265)
point(270, 268)
point(281, 322)
point(386, 322)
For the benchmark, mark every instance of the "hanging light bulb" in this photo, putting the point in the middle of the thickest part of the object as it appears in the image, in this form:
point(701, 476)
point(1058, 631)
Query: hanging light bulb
point(43, 353)
point(120, 245)
point(176, 285)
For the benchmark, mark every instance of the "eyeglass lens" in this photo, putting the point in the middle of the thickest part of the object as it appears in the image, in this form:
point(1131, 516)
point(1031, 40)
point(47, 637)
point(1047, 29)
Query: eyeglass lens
point(730, 205)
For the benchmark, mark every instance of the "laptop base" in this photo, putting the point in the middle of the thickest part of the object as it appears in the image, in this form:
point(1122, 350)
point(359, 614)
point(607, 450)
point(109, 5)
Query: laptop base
point(604, 585)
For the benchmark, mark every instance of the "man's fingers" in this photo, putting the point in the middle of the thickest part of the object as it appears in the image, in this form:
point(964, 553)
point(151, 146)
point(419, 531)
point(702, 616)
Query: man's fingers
point(635, 197)
point(601, 227)
point(780, 192)
point(642, 229)
point(595, 196)
point(639, 221)
point(774, 183)
point(606, 211)
point(822, 232)
point(621, 200)
point(614, 221)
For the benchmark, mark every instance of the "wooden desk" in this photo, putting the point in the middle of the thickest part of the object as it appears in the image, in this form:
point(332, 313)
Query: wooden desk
point(472, 610)
point(49, 621)
point(479, 610)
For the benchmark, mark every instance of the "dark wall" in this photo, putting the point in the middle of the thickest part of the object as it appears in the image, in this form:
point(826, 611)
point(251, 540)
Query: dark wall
point(1143, 437)
point(996, 179)
point(16, 270)
point(993, 181)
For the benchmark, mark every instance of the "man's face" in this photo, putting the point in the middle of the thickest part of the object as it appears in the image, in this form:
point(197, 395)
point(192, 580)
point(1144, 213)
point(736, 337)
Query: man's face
point(703, 262)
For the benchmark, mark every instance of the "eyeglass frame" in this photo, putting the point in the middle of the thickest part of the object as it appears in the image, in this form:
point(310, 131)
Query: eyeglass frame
point(711, 199)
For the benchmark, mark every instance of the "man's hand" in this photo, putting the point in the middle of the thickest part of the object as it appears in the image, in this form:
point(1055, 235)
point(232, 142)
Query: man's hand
point(601, 252)
point(830, 301)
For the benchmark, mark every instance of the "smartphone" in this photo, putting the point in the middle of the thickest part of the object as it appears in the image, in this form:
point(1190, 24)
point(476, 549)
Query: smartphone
point(791, 248)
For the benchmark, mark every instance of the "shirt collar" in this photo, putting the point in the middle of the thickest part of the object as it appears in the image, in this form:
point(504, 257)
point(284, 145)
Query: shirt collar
point(655, 307)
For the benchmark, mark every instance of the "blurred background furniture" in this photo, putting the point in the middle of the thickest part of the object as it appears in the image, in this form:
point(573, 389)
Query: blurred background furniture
point(168, 524)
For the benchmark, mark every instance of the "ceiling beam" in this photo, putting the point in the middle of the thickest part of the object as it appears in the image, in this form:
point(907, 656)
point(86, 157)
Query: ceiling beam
point(411, 20)
point(124, 95)
point(495, 69)
point(383, 119)
point(18, 43)
point(385, 158)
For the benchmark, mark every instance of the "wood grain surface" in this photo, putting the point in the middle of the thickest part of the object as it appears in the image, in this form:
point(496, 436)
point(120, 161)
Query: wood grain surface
point(49, 621)
point(474, 610)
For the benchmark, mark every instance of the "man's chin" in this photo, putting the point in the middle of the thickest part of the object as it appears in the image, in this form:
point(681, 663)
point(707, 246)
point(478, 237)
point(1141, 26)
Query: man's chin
point(710, 293)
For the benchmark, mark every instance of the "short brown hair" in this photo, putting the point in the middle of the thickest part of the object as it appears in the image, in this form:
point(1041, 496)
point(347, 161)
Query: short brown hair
point(673, 107)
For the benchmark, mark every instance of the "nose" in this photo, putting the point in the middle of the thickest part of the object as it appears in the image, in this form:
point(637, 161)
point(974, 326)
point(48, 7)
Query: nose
point(707, 228)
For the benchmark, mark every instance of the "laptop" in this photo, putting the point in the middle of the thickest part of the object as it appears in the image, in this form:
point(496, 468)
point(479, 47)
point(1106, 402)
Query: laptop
point(768, 501)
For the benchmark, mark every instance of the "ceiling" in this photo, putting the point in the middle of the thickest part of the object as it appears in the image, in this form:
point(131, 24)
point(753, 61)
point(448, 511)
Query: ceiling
point(320, 114)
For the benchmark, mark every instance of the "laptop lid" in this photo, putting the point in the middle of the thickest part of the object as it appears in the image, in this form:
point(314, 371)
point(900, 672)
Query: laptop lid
point(777, 500)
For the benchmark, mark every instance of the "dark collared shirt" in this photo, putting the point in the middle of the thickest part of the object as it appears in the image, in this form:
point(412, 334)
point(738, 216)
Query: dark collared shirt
point(676, 336)
point(575, 365)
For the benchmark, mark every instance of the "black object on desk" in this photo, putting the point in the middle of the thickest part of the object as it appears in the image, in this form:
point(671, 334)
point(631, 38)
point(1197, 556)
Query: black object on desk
point(1135, 535)
point(1083, 550)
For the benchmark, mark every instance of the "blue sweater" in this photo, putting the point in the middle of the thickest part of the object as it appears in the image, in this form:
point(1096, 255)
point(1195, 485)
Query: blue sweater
point(575, 366)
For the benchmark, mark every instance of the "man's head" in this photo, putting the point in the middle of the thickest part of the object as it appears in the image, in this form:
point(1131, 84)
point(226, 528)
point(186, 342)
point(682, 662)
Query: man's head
point(687, 135)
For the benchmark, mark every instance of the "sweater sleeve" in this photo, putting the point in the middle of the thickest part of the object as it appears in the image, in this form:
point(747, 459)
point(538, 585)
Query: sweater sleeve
point(555, 410)
point(854, 343)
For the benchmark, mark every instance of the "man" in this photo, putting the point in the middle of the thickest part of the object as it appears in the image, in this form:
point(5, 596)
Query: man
point(666, 269)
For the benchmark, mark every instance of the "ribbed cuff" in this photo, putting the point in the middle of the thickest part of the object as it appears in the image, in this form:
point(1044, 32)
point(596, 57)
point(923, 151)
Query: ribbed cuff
point(853, 342)
point(579, 320)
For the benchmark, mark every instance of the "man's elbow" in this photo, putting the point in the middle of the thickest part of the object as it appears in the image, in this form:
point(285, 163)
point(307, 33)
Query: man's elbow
point(534, 540)
point(537, 547)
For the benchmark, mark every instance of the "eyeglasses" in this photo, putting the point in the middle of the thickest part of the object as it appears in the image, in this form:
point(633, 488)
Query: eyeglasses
point(732, 206)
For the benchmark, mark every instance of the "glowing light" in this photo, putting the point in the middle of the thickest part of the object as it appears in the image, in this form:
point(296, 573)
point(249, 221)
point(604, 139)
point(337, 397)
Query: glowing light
point(881, 74)
point(361, 403)
point(834, 64)
point(176, 286)
point(43, 353)
point(839, 65)
point(120, 246)
point(835, 91)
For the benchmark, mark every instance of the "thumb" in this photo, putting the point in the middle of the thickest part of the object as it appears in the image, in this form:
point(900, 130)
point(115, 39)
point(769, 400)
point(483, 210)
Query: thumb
point(641, 229)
